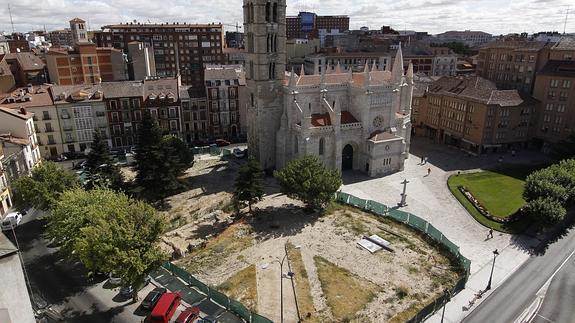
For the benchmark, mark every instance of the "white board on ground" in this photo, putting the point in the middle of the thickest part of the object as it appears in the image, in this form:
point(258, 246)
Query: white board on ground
point(368, 245)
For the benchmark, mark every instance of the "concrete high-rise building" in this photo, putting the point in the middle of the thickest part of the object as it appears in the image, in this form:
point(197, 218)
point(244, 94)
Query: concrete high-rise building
point(179, 48)
point(141, 62)
point(308, 25)
point(78, 29)
point(61, 38)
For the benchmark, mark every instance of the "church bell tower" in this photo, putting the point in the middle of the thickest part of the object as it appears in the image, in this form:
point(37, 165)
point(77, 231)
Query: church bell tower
point(265, 35)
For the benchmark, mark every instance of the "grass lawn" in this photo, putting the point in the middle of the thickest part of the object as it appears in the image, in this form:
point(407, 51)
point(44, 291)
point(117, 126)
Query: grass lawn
point(302, 287)
point(242, 287)
point(500, 191)
point(345, 293)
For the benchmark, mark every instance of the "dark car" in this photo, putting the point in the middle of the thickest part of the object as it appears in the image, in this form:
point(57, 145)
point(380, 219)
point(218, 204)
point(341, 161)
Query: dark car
point(222, 143)
point(189, 315)
point(152, 298)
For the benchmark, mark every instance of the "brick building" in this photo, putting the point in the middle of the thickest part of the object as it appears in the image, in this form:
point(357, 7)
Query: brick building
point(85, 64)
point(471, 113)
point(308, 25)
point(195, 119)
point(512, 64)
point(162, 100)
point(555, 88)
point(183, 49)
point(225, 90)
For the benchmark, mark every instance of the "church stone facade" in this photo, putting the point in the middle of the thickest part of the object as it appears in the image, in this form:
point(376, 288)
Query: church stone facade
point(349, 120)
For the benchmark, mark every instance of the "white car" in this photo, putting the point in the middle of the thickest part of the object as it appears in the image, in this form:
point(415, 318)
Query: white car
point(11, 221)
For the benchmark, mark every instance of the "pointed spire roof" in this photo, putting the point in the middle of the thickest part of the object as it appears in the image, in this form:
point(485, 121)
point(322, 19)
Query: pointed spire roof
point(322, 79)
point(302, 71)
point(291, 82)
point(338, 68)
point(409, 73)
point(397, 69)
point(374, 66)
point(349, 74)
point(366, 68)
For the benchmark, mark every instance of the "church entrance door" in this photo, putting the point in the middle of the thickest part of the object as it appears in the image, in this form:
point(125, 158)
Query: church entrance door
point(347, 158)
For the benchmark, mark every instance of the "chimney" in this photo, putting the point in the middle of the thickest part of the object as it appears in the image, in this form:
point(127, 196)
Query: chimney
point(23, 110)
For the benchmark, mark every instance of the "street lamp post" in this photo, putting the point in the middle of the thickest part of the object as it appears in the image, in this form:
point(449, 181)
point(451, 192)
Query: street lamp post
point(404, 194)
point(495, 254)
point(290, 274)
point(448, 296)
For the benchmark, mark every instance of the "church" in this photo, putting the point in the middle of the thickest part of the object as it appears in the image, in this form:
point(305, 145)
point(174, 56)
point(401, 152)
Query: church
point(350, 120)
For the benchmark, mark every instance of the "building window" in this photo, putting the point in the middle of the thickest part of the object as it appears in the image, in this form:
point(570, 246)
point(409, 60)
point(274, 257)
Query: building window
point(268, 12)
point(554, 83)
point(566, 84)
point(321, 146)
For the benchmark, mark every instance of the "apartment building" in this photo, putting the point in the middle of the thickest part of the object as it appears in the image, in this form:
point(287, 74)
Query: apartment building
point(124, 111)
point(512, 64)
point(195, 119)
point(5, 200)
point(467, 37)
point(26, 68)
point(37, 100)
point(18, 136)
point(85, 64)
point(444, 62)
point(308, 24)
point(225, 92)
point(162, 100)
point(183, 49)
point(81, 111)
point(555, 88)
point(61, 38)
point(471, 113)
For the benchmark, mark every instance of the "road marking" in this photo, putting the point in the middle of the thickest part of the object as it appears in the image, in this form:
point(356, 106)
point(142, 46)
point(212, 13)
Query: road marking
point(546, 285)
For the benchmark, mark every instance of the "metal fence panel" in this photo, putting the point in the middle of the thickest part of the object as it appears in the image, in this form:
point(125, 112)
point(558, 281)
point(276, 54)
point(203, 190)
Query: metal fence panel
point(199, 285)
point(376, 207)
point(240, 309)
point(450, 245)
point(256, 318)
point(434, 233)
point(342, 197)
point(398, 215)
point(357, 202)
point(417, 222)
point(219, 298)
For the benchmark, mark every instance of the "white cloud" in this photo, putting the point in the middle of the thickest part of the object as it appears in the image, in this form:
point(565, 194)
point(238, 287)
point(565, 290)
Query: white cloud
point(494, 16)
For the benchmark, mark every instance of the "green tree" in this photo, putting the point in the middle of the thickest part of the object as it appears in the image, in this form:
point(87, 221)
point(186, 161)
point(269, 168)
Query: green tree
point(547, 209)
point(110, 232)
point(308, 180)
point(149, 158)
point(160, 159)
point(42, 189)
point(249, 184)
point(100, 165)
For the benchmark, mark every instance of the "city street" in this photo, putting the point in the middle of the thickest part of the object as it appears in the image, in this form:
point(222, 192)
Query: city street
point(514, 297)
point(63, 285)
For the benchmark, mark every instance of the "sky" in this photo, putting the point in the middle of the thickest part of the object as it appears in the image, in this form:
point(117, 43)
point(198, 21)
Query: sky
point(434, 16)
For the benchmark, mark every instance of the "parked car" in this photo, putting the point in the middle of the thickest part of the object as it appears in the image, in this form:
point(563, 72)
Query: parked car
point(222, 142)
point(79, 165)
point(152, 298)
point(238, 153)
point(189, 315)
point(165, 308)
point(74, 155)
point(11, 221)
point(208, 319)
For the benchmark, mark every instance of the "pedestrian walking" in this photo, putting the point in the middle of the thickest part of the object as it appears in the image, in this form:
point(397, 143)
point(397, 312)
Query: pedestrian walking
point(490, 234)
point(425, 160)
point(421, 160)
point(428, 171)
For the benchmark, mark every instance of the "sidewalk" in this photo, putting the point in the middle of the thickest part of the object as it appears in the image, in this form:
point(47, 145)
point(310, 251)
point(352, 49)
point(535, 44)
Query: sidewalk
point(429, 198)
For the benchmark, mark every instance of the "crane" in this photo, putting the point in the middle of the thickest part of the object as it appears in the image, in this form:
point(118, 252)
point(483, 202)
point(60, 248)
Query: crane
point(237, 25)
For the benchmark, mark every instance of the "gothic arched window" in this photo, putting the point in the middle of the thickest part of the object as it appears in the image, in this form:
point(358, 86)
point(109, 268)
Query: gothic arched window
point(268, 12)
point(321, 146)
point(275, 13)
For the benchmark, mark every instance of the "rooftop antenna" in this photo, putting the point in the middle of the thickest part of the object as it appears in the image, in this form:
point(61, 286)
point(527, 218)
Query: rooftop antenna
point(564, 25)
point(11, 21)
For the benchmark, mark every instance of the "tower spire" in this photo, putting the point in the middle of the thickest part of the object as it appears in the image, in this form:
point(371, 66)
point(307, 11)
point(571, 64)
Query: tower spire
point(397, 69)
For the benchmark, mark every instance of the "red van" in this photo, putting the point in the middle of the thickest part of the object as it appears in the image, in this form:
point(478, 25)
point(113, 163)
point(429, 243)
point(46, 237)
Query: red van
point(165, 308)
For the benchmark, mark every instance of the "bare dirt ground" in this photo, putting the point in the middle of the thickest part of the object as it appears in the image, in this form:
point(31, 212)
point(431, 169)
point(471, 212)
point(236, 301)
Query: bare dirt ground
point(215, 247)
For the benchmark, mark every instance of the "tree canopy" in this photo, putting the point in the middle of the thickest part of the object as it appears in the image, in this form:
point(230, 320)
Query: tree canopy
point(550, 191)
point(43, 188)
point(159, 159)
point(108, 231)
point(249, 183)
point(308, 180)
point(564, 149)
point(100, 165)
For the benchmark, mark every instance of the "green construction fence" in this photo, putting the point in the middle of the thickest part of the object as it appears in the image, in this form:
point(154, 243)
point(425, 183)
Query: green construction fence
point(424, 227)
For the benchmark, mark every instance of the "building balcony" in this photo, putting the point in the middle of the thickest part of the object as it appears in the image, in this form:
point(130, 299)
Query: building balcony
point(49, 130)
point(69, 140)
point(51, 142)
point(67, 128)
point(65, 116)
point(46, 118)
